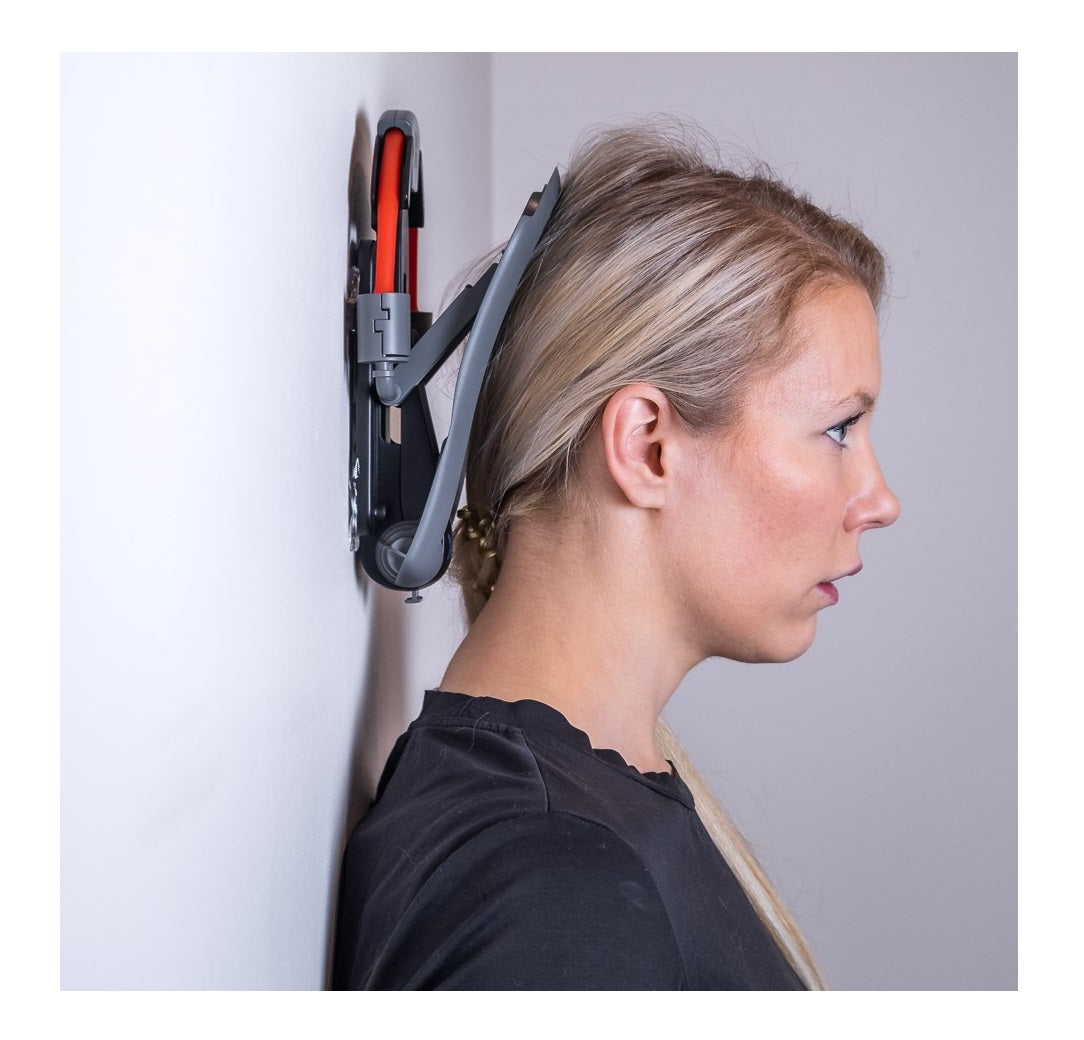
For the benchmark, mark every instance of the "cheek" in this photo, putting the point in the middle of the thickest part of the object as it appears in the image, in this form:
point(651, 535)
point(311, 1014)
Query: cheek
point(783, 514)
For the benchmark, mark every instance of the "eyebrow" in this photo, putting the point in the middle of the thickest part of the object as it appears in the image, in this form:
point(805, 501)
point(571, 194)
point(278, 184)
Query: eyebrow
point(862, 398)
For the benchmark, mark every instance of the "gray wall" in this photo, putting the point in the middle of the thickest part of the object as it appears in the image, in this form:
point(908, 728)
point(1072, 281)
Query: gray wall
point(876, 775)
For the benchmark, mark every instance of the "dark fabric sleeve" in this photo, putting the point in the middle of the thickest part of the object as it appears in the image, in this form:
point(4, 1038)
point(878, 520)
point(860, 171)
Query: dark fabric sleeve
point(546, 901)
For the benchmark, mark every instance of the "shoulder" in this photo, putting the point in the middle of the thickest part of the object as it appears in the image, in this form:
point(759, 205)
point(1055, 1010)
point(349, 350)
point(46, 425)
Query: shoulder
point(544, 900)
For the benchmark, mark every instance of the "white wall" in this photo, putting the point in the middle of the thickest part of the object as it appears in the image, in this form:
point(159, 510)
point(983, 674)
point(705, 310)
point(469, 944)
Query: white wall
point(219, 656)
point(876, 776)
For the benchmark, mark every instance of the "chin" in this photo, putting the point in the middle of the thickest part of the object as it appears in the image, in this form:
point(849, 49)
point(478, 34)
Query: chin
point(778, 648)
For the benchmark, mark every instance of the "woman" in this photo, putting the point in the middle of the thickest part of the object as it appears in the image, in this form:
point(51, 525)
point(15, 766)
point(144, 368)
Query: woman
point(670, 461)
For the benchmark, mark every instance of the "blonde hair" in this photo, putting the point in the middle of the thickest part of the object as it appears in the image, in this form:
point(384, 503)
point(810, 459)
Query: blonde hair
point(657, 267)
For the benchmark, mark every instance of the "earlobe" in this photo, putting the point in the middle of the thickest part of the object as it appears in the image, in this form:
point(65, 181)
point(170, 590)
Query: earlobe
point(636, 427)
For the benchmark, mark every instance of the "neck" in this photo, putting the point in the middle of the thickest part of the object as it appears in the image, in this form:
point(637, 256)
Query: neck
point(573, 628)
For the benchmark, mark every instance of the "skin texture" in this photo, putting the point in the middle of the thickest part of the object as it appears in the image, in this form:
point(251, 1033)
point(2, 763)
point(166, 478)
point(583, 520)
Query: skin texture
point(685, 545)
point(779, 506)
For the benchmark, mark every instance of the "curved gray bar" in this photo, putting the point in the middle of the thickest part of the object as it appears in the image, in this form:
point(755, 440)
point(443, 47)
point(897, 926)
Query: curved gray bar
point(425, 557)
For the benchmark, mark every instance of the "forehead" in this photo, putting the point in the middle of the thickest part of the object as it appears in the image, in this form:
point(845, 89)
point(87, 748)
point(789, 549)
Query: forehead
point(837, 354)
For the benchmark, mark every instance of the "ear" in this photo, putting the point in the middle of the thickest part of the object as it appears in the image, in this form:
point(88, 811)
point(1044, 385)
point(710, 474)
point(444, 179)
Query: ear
point(639, 428)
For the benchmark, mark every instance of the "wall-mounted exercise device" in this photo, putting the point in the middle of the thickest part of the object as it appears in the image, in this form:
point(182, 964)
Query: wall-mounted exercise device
point(403, 489)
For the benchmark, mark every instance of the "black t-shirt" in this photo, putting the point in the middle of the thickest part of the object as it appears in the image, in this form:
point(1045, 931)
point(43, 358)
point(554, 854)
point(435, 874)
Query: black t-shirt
point(503, 852)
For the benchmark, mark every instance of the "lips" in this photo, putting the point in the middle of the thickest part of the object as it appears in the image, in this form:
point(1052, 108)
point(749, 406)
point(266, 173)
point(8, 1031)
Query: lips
point(828, 589)
point(849, 573)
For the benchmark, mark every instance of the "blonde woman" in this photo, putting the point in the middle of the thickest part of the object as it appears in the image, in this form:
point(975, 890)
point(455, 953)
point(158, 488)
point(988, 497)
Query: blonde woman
point(670, 461)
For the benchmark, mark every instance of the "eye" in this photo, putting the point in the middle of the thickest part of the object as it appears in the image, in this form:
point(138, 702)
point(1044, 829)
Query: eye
point(838, 433)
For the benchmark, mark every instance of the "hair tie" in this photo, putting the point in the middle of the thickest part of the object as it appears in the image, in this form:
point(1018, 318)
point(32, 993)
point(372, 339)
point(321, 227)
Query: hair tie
point(477, 526)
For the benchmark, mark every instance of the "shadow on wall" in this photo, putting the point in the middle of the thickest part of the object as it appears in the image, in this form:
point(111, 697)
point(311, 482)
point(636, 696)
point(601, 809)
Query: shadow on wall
point(382, 715)
point(383, 702)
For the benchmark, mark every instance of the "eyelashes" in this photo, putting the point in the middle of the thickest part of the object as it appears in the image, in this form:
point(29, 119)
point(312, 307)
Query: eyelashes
point(838, 433)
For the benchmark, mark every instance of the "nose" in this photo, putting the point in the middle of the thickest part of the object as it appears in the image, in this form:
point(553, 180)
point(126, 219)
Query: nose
point(875, 505)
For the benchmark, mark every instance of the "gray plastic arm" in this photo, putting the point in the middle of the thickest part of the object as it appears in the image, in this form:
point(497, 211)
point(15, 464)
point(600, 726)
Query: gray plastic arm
point(393, 383)
point(425, 557)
